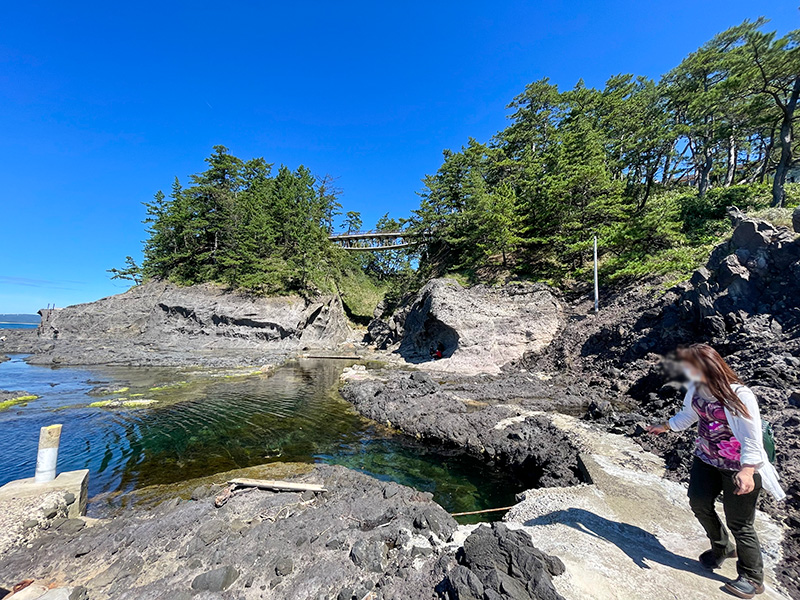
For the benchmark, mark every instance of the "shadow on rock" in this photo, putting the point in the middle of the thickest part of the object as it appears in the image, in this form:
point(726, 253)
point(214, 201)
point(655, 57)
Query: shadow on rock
point(639, 545)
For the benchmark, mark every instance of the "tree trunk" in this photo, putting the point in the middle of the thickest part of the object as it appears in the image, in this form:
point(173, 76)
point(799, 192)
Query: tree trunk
point(731, 173)
point(764, 166)
point(778, 192)
point(703, 171)
point(666, 175)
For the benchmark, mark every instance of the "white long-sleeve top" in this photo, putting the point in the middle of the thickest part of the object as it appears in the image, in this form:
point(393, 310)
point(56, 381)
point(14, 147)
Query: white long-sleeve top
point(746, 430)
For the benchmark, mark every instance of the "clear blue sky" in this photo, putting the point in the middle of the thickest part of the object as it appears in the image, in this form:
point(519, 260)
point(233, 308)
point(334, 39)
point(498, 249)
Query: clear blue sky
point(100, 106)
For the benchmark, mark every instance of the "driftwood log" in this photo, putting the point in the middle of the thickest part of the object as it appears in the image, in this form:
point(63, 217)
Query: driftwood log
point(278, 486)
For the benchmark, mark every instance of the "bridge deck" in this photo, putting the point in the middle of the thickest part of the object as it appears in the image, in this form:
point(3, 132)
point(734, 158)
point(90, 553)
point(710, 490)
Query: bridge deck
point(372, 240)
point(368, 235)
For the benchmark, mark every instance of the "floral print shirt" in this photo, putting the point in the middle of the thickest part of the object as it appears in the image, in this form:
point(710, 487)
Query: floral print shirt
point(715, 442)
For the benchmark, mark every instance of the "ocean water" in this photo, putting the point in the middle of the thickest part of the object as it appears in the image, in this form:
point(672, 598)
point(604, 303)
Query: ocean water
point(18, 325)
point(210, 422)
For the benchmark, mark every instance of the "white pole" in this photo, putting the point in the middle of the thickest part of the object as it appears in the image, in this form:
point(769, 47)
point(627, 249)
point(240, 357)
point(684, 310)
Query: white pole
point(46, 459)
point(596, 288)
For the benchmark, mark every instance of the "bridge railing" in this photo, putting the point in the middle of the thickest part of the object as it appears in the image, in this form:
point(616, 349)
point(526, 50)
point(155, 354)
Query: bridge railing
point(369, 234)
point(372, 240)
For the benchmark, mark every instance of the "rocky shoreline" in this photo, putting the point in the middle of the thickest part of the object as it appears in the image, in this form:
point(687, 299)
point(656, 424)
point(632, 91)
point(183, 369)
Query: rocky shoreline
point(608, 370)
point(508, 435)
point(360, 539)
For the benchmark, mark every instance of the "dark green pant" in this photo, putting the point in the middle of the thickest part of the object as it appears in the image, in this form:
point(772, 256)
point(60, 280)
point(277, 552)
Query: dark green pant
point(705, 485)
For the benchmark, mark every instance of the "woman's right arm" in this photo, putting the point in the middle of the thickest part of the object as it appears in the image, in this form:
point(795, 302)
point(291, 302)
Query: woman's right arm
point(687, 417)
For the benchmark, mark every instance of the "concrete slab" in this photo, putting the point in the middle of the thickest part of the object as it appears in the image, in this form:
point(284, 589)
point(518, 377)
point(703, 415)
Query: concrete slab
point(74, 482)
point(630, 534)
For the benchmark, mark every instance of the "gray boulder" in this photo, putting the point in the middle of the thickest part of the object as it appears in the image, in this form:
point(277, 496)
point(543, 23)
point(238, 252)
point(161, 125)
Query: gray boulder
point(215, 580)
point(796, 220)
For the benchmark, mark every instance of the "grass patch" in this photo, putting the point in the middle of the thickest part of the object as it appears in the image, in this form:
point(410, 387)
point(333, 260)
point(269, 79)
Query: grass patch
point(168, 386)
point(122, 403)
point(360, 295)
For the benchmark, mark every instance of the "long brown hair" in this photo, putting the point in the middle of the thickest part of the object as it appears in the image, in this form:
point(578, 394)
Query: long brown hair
point(719, 376)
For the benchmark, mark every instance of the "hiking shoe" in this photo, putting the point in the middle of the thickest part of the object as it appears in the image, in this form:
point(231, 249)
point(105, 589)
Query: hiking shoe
point(711, 561)
point(744, 588)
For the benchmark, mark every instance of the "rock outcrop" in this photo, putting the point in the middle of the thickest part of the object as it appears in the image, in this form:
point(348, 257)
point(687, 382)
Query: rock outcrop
point(161, 322)
point(511, 435)
point(749, 291)
point(478, 329)
point(503, 564)
point(362, 536)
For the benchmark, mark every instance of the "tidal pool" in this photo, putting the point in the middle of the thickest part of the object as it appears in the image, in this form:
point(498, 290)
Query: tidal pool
point(200, 422)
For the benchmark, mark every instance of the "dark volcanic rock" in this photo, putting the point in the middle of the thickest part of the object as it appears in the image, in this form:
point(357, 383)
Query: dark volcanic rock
point(507, 434)
point(498, 563)
point(259, 540)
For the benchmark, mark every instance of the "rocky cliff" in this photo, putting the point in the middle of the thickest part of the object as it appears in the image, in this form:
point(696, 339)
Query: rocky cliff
point(162, 323)
point(478, 329)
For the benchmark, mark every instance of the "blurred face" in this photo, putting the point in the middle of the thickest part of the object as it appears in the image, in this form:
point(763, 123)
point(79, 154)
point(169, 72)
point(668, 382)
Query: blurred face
point(692, 373)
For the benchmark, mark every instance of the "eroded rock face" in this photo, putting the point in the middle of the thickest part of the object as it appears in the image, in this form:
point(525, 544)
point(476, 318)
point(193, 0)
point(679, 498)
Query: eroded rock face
point(477, 329)
point(512, 436)
point(361, 535)
point(159, 315)
point(747, 298)
point(502, 564)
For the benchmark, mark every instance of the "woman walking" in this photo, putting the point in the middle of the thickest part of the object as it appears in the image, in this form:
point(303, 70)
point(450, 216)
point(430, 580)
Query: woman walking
point(729, 459)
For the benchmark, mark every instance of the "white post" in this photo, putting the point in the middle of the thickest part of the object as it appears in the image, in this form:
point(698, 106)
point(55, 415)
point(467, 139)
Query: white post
point(46, 459)
point(596, 288)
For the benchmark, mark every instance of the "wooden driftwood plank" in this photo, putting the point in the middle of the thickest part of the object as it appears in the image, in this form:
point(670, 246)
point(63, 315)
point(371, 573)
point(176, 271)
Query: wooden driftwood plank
point(480, 512)
point(333, 356)
point(280, 486)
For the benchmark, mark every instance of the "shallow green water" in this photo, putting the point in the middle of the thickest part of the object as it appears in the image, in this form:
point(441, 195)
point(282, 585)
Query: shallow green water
point(204, 423)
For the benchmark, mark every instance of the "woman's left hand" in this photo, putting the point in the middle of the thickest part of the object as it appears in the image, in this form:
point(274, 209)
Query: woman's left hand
point(744, 481)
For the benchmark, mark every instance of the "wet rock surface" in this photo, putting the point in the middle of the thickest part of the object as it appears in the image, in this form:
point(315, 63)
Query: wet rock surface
point(361, 536)
point(477, 329)
point(510, 435)
point(163, 324)
point(12, 395)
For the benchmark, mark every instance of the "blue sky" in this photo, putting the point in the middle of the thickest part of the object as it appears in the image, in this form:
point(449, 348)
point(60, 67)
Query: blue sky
point(100, 106)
